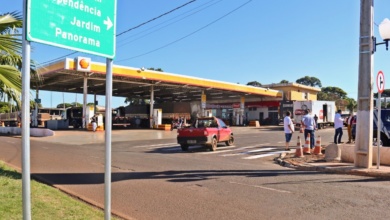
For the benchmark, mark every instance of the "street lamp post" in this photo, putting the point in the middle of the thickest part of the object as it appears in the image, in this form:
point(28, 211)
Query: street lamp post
point(384, 32)
point(367, 46)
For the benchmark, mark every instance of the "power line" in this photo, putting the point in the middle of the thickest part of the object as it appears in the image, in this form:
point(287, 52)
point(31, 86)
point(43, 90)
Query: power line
point(142, 24)
point(201, 8)
point(175, 41)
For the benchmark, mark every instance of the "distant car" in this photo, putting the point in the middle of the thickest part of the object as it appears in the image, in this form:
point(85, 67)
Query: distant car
point(385, 127)
point(208, 131)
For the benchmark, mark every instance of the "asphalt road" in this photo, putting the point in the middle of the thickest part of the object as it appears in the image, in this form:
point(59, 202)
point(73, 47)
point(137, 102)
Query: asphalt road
point(153, 179)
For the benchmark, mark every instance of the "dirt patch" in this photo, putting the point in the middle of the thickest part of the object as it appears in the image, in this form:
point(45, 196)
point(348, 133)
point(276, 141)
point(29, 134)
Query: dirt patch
point(307, 158)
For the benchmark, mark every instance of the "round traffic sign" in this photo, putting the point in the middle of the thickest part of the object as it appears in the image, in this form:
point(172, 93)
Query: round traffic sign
point(380, 81)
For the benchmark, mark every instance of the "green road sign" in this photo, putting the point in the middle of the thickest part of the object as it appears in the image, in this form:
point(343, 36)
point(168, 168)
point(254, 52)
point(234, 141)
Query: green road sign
point(82, 25)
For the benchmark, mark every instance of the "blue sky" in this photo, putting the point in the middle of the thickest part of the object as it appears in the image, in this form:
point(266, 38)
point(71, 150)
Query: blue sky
point(264, 41)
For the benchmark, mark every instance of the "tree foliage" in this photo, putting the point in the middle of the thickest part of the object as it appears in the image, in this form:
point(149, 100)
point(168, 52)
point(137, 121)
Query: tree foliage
point(11, 58)
point(351, 104)
point(254, 83)
point(309, 81)
point(68, 105)
point(331, 93)
point(284, 81)
point(385, 93)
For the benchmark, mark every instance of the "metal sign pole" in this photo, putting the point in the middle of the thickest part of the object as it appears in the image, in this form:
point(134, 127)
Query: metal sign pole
point(108, 123)
point(380, 83)
point(378, 131)
point(26, 181)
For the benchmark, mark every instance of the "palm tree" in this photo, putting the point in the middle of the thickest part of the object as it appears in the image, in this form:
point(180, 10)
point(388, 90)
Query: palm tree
point(10, 57)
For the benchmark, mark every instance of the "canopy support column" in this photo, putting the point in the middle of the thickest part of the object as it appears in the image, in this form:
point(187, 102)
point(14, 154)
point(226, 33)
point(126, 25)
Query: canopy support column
point(151, 119)
point(203, 103)
point(242, 110)
point(85, 92)
point(36, 108)
point(94, 103)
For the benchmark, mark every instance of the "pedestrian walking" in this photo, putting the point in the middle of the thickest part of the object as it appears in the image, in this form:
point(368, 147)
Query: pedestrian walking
point(338, 126)
point(315, 120)
point(94, 121)
point(309, 126)
point(288, 129)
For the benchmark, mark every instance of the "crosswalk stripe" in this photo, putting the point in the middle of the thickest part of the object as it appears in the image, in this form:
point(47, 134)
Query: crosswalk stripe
point(221, 150)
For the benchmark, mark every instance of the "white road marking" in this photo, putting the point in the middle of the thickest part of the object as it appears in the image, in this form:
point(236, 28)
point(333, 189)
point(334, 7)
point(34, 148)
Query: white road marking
point(262, 187)
point(173, 149)
point(263, 155)
point(220, 150)
point(247, 152)
point(156, 145)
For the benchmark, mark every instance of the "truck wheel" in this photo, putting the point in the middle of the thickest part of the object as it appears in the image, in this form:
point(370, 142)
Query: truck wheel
point(184, 147)
point(214, 144)
point(230, 141)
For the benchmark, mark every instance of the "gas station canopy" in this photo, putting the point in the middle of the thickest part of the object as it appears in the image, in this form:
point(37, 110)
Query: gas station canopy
point(68, 76)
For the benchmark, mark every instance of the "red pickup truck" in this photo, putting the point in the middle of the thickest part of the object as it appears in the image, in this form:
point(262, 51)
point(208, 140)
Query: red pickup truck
point(205, 131)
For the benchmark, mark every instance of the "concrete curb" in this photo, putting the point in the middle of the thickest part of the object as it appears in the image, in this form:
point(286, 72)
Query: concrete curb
point(34, 132)
point(346, 168)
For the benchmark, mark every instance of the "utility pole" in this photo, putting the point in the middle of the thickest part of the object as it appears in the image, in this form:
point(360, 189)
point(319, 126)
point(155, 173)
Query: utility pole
point(364, 131)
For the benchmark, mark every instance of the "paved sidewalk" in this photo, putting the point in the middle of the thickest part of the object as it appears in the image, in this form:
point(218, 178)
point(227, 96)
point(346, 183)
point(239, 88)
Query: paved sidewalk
point(287, 160)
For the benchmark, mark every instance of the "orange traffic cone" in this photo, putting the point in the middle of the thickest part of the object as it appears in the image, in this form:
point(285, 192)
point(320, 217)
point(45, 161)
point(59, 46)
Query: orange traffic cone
point(317, 147)
point(298, 151)
point(306, 147)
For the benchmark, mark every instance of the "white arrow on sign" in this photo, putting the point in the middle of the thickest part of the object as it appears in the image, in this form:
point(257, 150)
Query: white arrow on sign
point(108, 23)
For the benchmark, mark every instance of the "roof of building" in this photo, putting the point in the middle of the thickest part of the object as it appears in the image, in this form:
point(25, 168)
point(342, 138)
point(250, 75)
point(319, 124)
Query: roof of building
point(292, 84)
point(63, 76)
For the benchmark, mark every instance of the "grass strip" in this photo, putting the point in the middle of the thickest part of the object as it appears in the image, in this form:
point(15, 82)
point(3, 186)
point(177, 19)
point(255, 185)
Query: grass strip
point(46, 202)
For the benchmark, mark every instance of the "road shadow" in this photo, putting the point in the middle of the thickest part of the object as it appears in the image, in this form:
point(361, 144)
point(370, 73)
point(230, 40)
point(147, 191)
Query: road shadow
point(174, 176)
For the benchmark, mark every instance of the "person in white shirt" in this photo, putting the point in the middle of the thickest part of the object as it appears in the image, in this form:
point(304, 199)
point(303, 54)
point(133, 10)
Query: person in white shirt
point(338, 126)
point(310, 126)
point(288, 129)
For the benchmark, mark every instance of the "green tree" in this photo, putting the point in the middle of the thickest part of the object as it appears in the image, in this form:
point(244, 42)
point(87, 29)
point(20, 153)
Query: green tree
point(5, 107)
point(67, 105)
point(10, 59)
point(352, 104)
point(284, 81)
point(76, 104)
point(254, 83)
point(333, 93)
point(309, 81)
